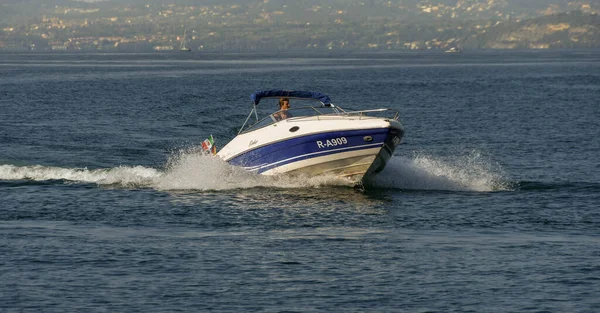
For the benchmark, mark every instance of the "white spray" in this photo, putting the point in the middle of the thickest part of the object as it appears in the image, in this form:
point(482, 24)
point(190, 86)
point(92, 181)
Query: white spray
point(192, 170)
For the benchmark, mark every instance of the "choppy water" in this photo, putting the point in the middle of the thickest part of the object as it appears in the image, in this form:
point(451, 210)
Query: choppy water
point(489, 205)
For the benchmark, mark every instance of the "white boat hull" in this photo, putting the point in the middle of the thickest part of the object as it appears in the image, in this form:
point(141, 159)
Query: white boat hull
point(345, 146)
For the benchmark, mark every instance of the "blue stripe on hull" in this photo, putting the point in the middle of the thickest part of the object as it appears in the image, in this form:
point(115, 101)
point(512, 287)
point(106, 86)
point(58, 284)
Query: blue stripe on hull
point(306, 147)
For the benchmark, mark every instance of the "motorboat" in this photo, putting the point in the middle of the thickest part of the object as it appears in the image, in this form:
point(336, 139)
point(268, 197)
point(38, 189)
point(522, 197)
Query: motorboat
point(452, 50)
point(316, 139)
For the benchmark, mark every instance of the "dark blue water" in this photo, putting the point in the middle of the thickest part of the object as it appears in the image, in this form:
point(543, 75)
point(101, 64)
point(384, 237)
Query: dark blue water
point(489, 205)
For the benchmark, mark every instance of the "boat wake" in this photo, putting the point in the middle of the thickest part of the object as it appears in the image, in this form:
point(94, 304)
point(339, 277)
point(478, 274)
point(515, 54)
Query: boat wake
point(192, 170)
point(125, 176)
point(469, 172)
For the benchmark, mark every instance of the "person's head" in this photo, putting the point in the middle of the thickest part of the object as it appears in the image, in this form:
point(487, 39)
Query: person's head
point(284, 103)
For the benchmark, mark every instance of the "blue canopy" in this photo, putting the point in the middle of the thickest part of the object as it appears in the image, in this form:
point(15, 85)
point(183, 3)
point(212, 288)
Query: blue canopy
point(298, 94)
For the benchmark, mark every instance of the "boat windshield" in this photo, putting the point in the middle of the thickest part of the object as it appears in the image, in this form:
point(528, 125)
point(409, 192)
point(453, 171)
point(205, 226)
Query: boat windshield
point(305, 111)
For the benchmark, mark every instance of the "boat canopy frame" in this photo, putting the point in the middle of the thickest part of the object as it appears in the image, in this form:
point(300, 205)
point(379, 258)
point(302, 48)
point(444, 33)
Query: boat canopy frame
point(257, 96)
point(295, 94)
point(302, 95)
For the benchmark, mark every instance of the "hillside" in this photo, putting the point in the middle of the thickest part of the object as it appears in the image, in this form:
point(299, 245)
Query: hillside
point(283, 25)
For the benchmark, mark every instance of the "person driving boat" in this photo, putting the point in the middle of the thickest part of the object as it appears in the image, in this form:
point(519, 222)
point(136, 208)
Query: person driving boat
point(282, 114)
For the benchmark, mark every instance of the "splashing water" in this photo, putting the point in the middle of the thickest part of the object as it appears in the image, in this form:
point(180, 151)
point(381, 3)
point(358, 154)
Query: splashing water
point(192, 170)
point(185, 170)
point(122, 175)
point(471, 172)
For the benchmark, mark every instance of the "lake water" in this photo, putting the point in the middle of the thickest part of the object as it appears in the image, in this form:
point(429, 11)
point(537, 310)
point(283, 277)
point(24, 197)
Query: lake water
point(490, 204)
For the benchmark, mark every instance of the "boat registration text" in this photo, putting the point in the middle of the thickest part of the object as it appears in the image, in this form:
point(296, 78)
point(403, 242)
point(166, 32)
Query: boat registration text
point(332, 142)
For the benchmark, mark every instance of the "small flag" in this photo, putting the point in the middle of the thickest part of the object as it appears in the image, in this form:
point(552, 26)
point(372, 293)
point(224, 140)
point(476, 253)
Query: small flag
point(208, 145)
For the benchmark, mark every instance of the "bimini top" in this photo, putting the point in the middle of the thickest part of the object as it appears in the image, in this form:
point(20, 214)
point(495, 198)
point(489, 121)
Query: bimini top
point(298, 94)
